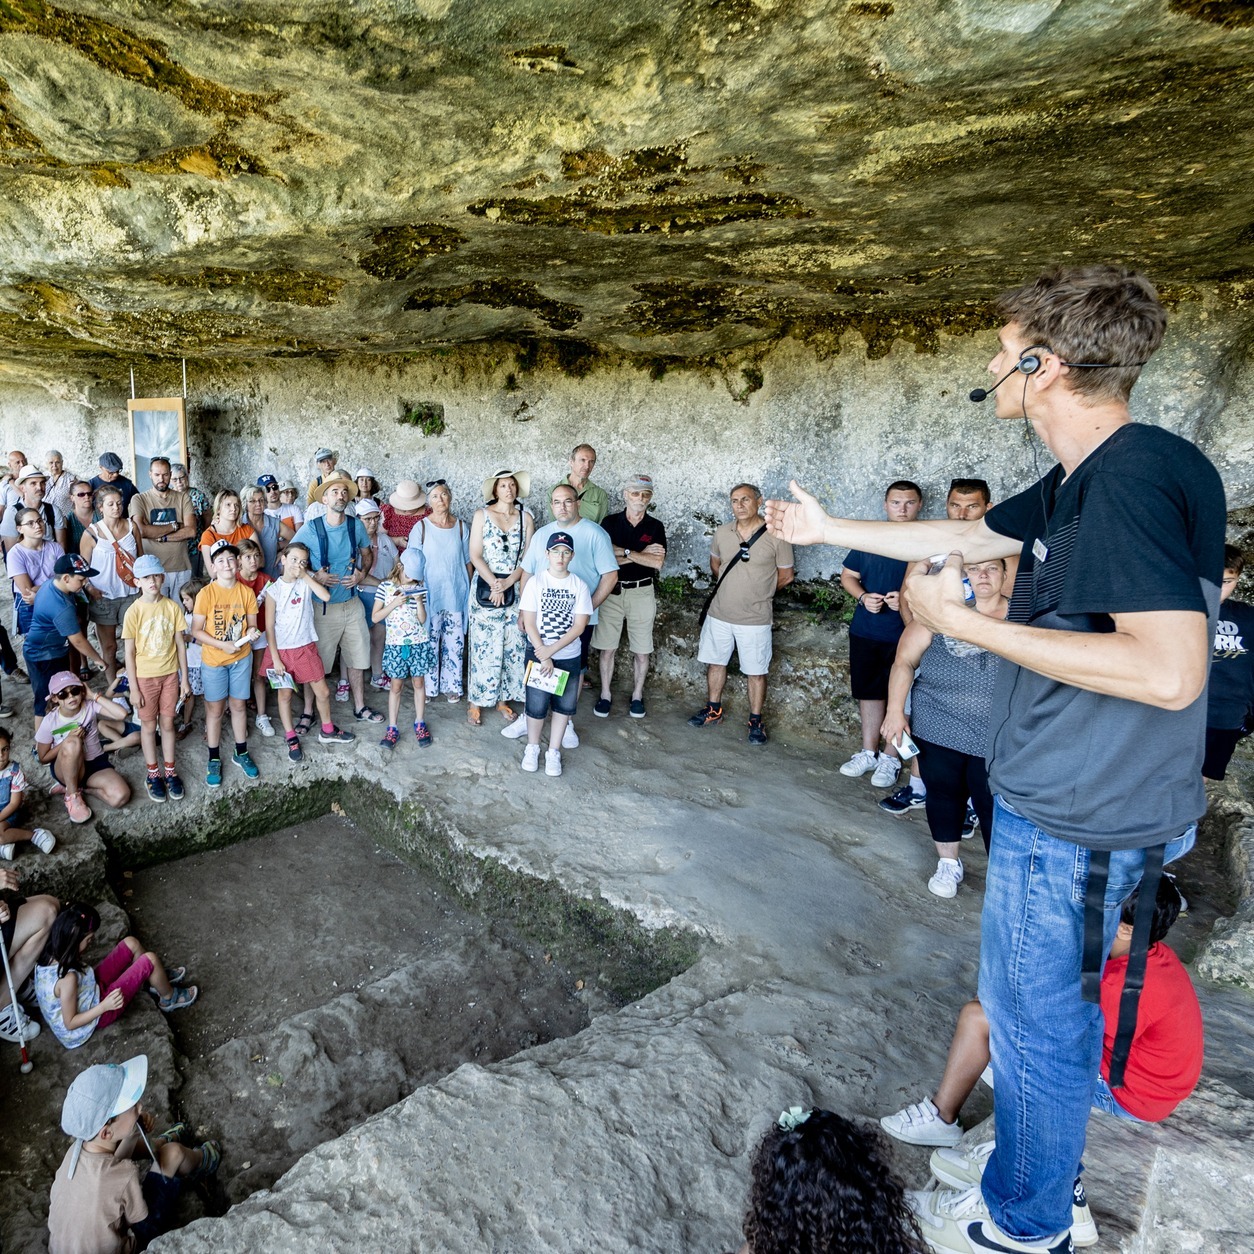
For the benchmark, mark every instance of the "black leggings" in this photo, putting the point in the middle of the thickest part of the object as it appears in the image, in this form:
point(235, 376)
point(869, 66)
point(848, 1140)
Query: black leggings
point(951, 777)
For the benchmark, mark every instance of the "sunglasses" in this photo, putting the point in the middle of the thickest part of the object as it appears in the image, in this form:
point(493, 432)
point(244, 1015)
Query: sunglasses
point(437, 483)
point(73, 691)
point(80, 494)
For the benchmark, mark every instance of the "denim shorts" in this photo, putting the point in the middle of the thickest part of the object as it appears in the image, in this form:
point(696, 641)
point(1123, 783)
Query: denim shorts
point(540, 703)
point(235, 679)
point(1104, 1099)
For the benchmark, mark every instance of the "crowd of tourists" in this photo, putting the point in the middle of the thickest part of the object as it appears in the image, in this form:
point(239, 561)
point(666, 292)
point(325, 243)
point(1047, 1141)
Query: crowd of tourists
point(993, 654)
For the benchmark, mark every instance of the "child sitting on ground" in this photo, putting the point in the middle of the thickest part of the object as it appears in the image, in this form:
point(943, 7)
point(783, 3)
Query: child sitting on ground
point(251, 560)
point(118, 733)
point(187, 599)
point(12, 795)
point(97, 1201)
point(76, 999)
point(156, 667)
point(822, 1185)
point(292, 648)
point(68, 742)
point(400, 603)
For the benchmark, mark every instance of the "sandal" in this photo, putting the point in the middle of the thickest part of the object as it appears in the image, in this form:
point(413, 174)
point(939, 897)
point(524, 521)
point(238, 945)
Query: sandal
point(210, 1157)
point(303, 724)
point(179, 1132)
point(474, 716)
point(504, 710)
point(180, 999)
point(176, 975)
point(182, 730)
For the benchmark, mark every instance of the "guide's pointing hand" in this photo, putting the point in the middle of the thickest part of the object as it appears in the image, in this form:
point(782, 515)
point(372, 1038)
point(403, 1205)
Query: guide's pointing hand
point(802, 521)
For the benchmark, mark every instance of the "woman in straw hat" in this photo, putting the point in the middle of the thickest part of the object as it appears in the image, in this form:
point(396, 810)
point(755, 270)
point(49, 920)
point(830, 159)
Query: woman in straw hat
point(499, 536)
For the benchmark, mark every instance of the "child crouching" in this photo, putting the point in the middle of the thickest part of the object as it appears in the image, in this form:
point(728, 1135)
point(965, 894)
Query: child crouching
point(98, 1201)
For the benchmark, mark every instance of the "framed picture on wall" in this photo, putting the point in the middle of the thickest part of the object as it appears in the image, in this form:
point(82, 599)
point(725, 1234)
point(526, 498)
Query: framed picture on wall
point(158, 429)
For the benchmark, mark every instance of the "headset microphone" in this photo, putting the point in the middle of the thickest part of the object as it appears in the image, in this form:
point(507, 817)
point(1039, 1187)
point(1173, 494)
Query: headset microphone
point(979, 394)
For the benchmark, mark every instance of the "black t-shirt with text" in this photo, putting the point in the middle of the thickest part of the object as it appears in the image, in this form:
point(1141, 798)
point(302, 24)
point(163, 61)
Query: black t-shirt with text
point(624, 536)
point(1231, 690)
point(1137, 527)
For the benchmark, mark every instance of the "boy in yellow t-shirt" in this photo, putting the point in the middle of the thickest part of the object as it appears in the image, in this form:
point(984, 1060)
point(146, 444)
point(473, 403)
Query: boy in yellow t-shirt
point(156, 666)
point(224, 624)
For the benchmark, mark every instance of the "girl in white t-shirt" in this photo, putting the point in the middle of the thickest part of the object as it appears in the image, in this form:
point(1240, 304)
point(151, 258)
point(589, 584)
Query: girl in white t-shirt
point(292, 649)
point(556, 606)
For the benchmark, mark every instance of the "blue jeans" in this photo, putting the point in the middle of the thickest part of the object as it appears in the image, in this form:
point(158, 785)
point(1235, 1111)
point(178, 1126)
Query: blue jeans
point(1104, 1099)
point(1044, 1038)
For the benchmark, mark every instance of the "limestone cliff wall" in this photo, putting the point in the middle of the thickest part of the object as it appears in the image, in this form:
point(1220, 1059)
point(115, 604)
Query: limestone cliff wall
point(844, 425)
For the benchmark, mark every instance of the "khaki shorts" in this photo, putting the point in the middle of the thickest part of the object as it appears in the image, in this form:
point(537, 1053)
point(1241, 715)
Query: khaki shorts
point(161, 695)
point(110, 611)
point(343, 626)
point(635, 607)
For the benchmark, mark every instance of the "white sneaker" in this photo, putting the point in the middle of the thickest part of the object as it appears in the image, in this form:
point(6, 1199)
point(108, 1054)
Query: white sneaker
point(382, 684)
point(947, 878)
point(515, 730)
point(960, 1169)
point(921, 1124)
point(569, 739)
point(958, 1221)
point(43, 840)
point(9, 1022)
point(531, 758)
point(887, 768)
point(553, 762)
point(264, 725)
point(861, 762)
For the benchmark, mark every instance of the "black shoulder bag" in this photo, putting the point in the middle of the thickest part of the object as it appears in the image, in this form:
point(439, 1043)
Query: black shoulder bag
point(483, 589)
point(742, 556)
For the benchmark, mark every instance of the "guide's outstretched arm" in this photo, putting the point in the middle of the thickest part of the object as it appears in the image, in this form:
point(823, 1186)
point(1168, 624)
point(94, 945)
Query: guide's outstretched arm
point(804, 521)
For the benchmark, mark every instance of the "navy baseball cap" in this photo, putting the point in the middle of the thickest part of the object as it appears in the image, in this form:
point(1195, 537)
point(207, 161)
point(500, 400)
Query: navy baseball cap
point(72, 564)
point(560, 540)
point(267, 481)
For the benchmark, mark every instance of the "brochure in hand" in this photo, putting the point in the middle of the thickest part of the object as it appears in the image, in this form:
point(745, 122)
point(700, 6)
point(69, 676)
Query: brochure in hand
point(554, 682)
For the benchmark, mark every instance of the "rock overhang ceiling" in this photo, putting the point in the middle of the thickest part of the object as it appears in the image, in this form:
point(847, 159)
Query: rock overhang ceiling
point(266, 180)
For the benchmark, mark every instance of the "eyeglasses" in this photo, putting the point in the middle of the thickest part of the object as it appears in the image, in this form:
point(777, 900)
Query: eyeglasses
point(32, 522)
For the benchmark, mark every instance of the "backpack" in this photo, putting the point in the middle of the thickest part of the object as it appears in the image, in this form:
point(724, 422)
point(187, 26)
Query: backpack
point(324, 547)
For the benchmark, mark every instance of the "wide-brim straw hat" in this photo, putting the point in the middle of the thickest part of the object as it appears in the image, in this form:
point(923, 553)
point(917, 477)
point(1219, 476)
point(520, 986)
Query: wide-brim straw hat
point(408, 496)
point(520, 477)
point(336, 476)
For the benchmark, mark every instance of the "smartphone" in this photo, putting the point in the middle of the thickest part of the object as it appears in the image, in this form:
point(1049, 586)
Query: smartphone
point(906, 748)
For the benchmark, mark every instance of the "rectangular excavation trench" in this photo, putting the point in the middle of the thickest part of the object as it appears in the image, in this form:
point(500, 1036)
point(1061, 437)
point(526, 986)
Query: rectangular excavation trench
point(343, 965)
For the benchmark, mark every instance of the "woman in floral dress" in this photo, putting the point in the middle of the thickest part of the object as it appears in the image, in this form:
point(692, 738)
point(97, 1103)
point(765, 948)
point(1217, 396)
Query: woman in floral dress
point(499, 536)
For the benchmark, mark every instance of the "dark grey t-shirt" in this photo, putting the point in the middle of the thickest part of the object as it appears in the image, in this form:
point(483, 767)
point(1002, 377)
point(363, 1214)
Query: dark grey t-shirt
point(1138, 526)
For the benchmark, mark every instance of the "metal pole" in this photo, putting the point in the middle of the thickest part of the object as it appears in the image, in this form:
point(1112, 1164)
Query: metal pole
point(132, 383)
point(184, 378)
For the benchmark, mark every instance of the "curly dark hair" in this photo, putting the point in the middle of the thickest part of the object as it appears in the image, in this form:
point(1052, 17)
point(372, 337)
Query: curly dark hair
point(826, 1188)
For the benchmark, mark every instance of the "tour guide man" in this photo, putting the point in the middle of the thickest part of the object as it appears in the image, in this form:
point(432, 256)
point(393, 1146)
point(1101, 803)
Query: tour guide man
point(1096, 734)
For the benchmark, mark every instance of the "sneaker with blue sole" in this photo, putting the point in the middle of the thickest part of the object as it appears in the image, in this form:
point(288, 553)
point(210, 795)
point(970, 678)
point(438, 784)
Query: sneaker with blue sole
point(902, 801)
point(213, 774)
point(246, 764)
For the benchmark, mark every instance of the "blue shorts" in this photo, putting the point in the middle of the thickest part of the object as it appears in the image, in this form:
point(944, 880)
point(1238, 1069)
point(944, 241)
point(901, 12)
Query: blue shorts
point(408, 661)
point(234, 679)
point(161, 1195)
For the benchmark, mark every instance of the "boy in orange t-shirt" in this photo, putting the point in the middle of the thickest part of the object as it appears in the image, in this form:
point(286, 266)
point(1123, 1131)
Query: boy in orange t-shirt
point(224, 624)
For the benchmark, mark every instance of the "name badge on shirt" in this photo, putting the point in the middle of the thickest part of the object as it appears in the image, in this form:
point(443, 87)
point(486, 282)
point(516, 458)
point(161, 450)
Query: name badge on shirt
point(1039, 550)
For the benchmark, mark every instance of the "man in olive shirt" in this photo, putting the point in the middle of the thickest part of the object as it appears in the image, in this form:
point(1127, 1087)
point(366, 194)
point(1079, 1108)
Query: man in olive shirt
point(167, 520)
point(594, 504)
point(756, 565)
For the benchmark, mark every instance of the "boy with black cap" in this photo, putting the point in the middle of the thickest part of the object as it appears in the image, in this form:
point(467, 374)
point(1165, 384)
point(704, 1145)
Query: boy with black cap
point(98, 1203)
point(54, 626)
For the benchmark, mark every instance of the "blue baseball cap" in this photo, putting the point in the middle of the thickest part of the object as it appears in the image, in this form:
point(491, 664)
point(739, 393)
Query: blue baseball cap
point(267, 481)
point(147, 564)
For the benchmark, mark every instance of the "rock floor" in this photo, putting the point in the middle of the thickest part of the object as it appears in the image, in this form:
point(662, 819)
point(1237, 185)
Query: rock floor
point(828, 975)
